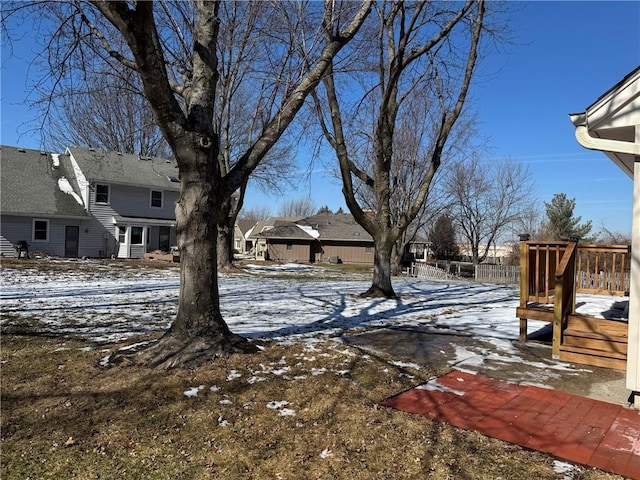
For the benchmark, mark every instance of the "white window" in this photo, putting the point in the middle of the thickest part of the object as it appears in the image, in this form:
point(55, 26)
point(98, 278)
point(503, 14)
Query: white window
point(40, 230)
point(102, 193)
point(156, 198)
point(122, 234)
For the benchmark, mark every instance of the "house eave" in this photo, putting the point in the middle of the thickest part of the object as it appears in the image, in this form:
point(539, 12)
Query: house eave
point(44, 215)
point(120, 220)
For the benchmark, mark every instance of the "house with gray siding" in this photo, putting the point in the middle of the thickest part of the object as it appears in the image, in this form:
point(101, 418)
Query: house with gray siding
point(39, 203)
point(87, 202)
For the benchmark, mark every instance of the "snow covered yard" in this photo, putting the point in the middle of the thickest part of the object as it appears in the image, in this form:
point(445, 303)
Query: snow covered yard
point(106, 304)
point(305, 407)
point(103, 305)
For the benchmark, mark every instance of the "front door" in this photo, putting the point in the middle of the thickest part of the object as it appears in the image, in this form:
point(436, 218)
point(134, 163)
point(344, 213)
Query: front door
point(164, 240)
point(123, 242)
point(71, 237)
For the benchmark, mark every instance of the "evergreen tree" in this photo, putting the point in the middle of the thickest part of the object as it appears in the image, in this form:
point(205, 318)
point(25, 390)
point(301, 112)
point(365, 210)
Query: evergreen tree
point(443, 239)
point(324, 209)
point(561, 224)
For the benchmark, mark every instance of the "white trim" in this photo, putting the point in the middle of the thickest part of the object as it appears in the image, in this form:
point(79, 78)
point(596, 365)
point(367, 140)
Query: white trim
point(33, 230)
point(633, 333)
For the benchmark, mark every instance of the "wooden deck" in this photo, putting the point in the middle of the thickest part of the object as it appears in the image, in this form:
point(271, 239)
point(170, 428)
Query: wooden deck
point(551, 274)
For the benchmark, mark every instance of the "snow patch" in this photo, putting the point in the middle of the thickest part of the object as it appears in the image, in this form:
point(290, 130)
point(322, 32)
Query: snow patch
point(435, 386)
point(65, 186)
point(193, 391)
point(568, 470)
point(326, 453)
point(415, 366)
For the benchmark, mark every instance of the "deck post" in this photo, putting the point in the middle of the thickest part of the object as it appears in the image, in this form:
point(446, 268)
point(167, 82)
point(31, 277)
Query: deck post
point(564, 300)
point(524, 282)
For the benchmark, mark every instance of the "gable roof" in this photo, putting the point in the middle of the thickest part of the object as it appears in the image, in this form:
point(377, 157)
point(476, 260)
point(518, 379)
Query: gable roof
point(324, 227)
point(126, 169)
point(37, 183)
point(337, 226)
point(290, 231)
point(245, 225)
point(609, 124)
point(268, 224)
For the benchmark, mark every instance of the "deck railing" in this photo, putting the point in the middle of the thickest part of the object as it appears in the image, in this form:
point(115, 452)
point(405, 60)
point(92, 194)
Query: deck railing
point(603, 269)
point(552, 273)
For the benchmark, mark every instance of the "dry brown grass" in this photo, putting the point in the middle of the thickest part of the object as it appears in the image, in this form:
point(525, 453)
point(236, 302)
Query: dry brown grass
point(65, 417)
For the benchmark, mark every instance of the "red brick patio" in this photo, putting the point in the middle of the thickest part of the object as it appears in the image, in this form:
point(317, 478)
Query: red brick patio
point(573, 428)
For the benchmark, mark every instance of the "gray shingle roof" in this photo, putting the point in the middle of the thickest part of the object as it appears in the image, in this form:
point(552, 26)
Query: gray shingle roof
point(29, 184)
point(245, 225)
point(126, 169)
point(271, 222)
point(337, 226)
point(290, 231)
point(329, 226)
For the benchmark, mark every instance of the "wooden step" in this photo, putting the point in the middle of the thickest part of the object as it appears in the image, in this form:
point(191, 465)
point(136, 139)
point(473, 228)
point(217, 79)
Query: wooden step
point(596, 358)
point(605, 343)
point(535, 313)
point(583, 323)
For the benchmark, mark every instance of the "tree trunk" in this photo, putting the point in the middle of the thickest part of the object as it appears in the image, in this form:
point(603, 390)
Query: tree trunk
point(225, 245)
point(397, 258)
point(198, 333)
point(226, 227)
point(381, 285)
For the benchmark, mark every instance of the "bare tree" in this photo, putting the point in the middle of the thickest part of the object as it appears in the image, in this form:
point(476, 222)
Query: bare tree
point(420, 50)
point(111, 114)
point(488, 199)
point(256, 214)
point(301, 207)
point(247, 96)
point(411, 158)
point(610, 237)
point(151, 38)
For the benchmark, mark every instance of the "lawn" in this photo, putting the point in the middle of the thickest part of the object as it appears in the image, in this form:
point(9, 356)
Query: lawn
point(305, 407)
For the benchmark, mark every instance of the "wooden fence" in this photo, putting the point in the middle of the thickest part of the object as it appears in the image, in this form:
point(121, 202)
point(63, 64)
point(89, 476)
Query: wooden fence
point(497, 273)
point(599, 270)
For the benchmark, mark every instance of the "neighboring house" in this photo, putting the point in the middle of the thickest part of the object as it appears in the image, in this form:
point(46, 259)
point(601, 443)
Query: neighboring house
point(498, 254)
point(86, 202)
point(258, 244)
point(612, 125)
point(335, 238)
point(340, 239)
point(242, 228)
point(39, 203)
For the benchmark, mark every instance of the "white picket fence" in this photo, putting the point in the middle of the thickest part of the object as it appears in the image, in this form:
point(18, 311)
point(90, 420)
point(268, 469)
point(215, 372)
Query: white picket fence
point(424, 270)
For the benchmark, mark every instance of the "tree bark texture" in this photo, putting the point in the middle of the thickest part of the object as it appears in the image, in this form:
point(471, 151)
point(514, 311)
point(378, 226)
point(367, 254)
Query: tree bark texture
point(199, 333)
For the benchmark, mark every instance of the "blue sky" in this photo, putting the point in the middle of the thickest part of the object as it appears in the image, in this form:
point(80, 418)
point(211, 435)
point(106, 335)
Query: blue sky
point(563, 56)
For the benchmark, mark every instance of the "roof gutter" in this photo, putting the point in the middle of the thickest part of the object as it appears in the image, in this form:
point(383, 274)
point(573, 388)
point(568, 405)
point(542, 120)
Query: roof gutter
point(602, 144)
